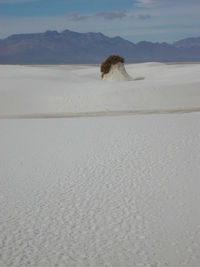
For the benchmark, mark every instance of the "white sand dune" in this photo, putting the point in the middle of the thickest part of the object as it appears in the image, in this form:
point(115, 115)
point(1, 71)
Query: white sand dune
point(68, 90)
point(99, 191)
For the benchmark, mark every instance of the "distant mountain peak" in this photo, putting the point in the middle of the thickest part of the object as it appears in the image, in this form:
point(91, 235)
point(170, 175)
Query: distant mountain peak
point(67, 47)
point(188, 42)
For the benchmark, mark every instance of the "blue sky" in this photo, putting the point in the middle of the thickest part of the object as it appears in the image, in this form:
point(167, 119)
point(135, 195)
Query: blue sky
point(135, 20)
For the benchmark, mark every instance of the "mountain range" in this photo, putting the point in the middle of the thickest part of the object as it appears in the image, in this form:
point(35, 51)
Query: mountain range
point(68, 47)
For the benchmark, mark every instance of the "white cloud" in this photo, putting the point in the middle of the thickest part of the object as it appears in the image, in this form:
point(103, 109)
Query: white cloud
point(111, 15)
point(107, 15)
point(75, 16)
point(144, 16)
point(146, 3)
point(165, 3)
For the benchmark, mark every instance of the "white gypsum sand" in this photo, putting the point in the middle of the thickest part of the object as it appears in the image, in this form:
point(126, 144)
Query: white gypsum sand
point(116, 73)
point(65, 90)
point(102, 191)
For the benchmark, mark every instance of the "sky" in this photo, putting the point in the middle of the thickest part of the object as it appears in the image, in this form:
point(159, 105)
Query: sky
point(134, 20)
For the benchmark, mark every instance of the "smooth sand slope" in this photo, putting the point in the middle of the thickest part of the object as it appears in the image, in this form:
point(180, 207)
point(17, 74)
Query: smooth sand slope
point(70, 90)
point(117, 191)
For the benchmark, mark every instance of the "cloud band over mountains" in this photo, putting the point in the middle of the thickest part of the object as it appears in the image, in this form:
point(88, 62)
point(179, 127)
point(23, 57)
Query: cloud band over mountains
point(106, 15)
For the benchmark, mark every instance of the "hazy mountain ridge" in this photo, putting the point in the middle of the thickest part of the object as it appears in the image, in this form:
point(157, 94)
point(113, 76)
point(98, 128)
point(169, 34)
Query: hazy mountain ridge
point(70, 47)
point(188, 43)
